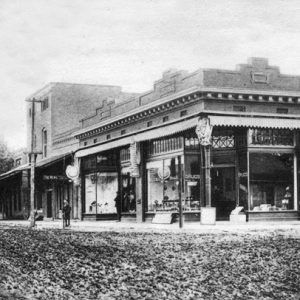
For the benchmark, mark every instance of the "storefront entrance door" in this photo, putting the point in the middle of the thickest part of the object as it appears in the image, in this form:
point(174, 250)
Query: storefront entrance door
point(223, 191)
point(49, 204)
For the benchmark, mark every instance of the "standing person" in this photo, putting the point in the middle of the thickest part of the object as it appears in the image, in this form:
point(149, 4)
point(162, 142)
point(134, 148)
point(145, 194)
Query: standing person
point(118, 205)
point(131, 201)
point(287, 200)
point(66, 213)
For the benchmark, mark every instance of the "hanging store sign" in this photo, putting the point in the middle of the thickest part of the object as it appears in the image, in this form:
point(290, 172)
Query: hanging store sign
point(72, 172)
point(164, 172)
point(203, 131)
point(135, 159)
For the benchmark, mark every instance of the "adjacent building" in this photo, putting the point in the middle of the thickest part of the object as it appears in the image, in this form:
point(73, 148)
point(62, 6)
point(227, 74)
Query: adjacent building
point(53, 115)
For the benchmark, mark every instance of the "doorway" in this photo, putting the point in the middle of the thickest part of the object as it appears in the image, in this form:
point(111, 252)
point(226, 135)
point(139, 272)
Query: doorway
point(49, 204)
point(223, 191)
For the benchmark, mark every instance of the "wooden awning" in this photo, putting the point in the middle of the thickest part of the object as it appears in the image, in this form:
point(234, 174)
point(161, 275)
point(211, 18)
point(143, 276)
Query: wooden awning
point(140, 136)
point(255, 122)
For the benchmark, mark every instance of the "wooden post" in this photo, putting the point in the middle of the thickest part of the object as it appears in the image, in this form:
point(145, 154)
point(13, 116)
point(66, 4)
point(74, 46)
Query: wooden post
point(32, 157)
point(139, 185)
point(237, 180)
point(207, 177)
point(202, 175)
point(179, 191)
point(32, 189)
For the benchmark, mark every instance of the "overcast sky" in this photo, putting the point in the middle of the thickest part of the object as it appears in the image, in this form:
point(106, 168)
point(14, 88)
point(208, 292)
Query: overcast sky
point(130, 43)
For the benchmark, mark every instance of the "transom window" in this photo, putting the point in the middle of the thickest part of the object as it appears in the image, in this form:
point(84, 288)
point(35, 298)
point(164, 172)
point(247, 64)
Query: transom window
point(165, 145)
point(223, 138)
point(270, 136)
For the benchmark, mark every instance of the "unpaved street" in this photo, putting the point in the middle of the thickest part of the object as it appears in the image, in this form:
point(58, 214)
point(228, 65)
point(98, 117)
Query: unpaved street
point(57, 264)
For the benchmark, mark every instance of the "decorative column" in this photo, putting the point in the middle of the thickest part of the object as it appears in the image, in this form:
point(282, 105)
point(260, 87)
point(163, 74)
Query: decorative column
point(204, 131)
point(137, 171)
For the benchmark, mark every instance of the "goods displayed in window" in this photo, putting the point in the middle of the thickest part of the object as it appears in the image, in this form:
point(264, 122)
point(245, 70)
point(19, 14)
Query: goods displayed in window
point(271, 181)
point(163, 184)
point(100, 191)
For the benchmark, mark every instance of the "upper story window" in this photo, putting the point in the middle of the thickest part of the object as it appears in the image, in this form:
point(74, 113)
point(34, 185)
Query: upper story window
point(44, 142)
point(240, 108)
point(183, 113)
point(18, 162)
point(282, 110)
point(149, 123)
point(45, 104)
point(165, 118)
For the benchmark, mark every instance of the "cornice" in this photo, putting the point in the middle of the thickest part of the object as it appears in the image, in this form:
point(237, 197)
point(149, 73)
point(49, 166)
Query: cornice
point(188, 96)
point(41, 92)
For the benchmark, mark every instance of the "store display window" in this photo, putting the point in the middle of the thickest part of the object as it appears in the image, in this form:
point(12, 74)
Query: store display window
point(271, 181)
point(163, 184)
point(100, 191)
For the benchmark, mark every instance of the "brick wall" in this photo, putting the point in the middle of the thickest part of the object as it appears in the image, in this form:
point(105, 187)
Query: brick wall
point(67, 105)
point(257, 74)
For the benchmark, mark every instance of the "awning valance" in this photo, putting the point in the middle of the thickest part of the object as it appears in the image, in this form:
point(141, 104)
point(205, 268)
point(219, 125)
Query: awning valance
point(142, 136)
point(254, 122)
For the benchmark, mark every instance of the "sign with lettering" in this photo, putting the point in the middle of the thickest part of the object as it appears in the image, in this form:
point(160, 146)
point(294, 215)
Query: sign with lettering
point(54, 177)
point(72, 172)
point(163, 218)
point(192, 177)
point(244, 174)
point(203, 131)
point(135, 159)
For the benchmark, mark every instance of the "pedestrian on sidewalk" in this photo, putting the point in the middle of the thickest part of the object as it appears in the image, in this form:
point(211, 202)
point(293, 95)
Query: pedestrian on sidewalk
point(118, 205)
point(66, 213)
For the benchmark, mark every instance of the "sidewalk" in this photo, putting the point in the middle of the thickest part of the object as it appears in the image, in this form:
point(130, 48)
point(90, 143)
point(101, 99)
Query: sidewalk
point(291, 227)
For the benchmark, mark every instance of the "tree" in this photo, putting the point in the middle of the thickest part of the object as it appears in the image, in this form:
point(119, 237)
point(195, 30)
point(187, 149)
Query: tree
point(6, 157)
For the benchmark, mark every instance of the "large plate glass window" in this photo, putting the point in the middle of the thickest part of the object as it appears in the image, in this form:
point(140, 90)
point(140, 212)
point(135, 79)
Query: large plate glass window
point(271, 181)
point(100, 192)
point(163, 184)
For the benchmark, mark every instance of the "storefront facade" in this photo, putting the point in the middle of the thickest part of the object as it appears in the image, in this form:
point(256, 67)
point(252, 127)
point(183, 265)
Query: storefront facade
point(156, 158)
point(15, 193)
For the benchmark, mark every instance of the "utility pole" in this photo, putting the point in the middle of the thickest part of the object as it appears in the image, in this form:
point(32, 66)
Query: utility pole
point(32, 159)
point(180, 191)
